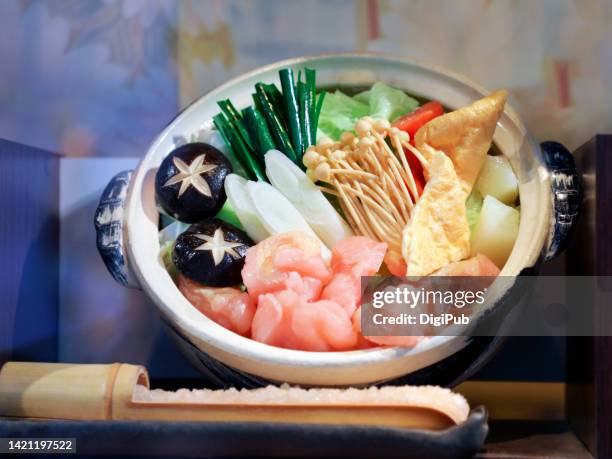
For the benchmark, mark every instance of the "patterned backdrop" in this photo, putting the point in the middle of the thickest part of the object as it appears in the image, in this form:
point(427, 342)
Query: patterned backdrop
point(102, 77)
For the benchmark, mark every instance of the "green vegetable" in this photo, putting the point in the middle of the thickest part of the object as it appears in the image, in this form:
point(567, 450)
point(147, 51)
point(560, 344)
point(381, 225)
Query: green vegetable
point(213, 137)
point(252, 162)
point(232, 114)
point(308, 94)
point(227, 214)
point(279, 133)
point(258, 130)
point(284, 121)
point(340, 112)
point(473, 206)
point(317, 113)
point(387, 102)
point(291, 96)
point(276, 98)
point(166, 256)
point(242, 151)
point(167, 237)
point(222, 126)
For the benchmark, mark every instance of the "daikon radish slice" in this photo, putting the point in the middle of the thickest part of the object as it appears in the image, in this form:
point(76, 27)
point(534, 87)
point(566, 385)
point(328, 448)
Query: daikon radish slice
point(277, 214)
point(240, 200)
point(497, 179)
point(496, 231)
point(295, 185)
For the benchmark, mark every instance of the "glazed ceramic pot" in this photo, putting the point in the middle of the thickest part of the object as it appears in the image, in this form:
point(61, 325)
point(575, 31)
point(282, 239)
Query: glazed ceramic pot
point(127, 231)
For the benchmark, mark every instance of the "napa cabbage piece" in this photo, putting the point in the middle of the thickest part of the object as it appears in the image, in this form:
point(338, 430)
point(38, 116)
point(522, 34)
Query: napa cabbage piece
point(387, 102)
point(340, 112)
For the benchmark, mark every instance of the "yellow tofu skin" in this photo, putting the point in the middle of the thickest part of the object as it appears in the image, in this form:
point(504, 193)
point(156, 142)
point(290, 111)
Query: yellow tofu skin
point(438, 231)
point(464, 135)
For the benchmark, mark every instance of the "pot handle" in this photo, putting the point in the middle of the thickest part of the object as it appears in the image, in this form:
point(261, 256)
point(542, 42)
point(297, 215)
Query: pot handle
point(566, 195)
point(110, 237)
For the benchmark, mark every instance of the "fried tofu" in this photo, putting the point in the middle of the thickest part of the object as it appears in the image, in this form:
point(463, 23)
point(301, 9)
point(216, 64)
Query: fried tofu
point(438, 232)
point(464, 135)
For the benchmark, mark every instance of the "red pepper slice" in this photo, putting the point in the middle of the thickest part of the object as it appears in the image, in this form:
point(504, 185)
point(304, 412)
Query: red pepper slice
point(411, 123)
point(417, 172)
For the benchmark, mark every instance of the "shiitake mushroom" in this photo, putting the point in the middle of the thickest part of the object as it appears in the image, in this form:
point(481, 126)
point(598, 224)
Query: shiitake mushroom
point(189, 182)
point(211, 252)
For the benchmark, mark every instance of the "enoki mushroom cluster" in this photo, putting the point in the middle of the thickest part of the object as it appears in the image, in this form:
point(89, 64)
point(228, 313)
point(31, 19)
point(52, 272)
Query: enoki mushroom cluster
point(371, 177)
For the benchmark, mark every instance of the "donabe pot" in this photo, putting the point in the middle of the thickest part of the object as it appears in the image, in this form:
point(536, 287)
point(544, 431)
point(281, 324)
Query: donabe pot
point(127, 230)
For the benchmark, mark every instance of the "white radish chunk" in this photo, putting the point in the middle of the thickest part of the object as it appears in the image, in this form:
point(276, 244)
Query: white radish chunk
point(496, 231)
point(497, 179)
point(277, 214)
point(240, 200)
point(295, 185)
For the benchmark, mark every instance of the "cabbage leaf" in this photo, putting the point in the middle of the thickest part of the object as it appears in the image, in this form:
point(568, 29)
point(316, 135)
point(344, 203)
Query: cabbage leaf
point(340, 112)
point(387, 102)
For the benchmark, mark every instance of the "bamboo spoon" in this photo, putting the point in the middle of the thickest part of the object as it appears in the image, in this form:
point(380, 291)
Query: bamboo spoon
point(121, 391)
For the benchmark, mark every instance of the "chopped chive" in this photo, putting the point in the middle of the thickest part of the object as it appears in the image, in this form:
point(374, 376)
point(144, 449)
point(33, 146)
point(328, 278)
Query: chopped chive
point(276, 98)
point(307, 93)
point(219, 121)
point(252, 134)
point(238, 147)
point(311, 86)
point(304, 116)
point(222, 126)
point(281, 138)
point(318, 110)
point(234, 117)
point(258, 130)
point(286, 121)
point(253, 164)
point(292, 108)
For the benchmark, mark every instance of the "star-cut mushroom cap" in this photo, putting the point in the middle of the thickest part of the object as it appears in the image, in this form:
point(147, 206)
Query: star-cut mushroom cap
point(464, 135)
point(218, 246)
point(190, 175)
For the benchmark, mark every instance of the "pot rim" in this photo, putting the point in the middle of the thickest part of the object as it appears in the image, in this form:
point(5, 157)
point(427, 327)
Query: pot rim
point(265, 360)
